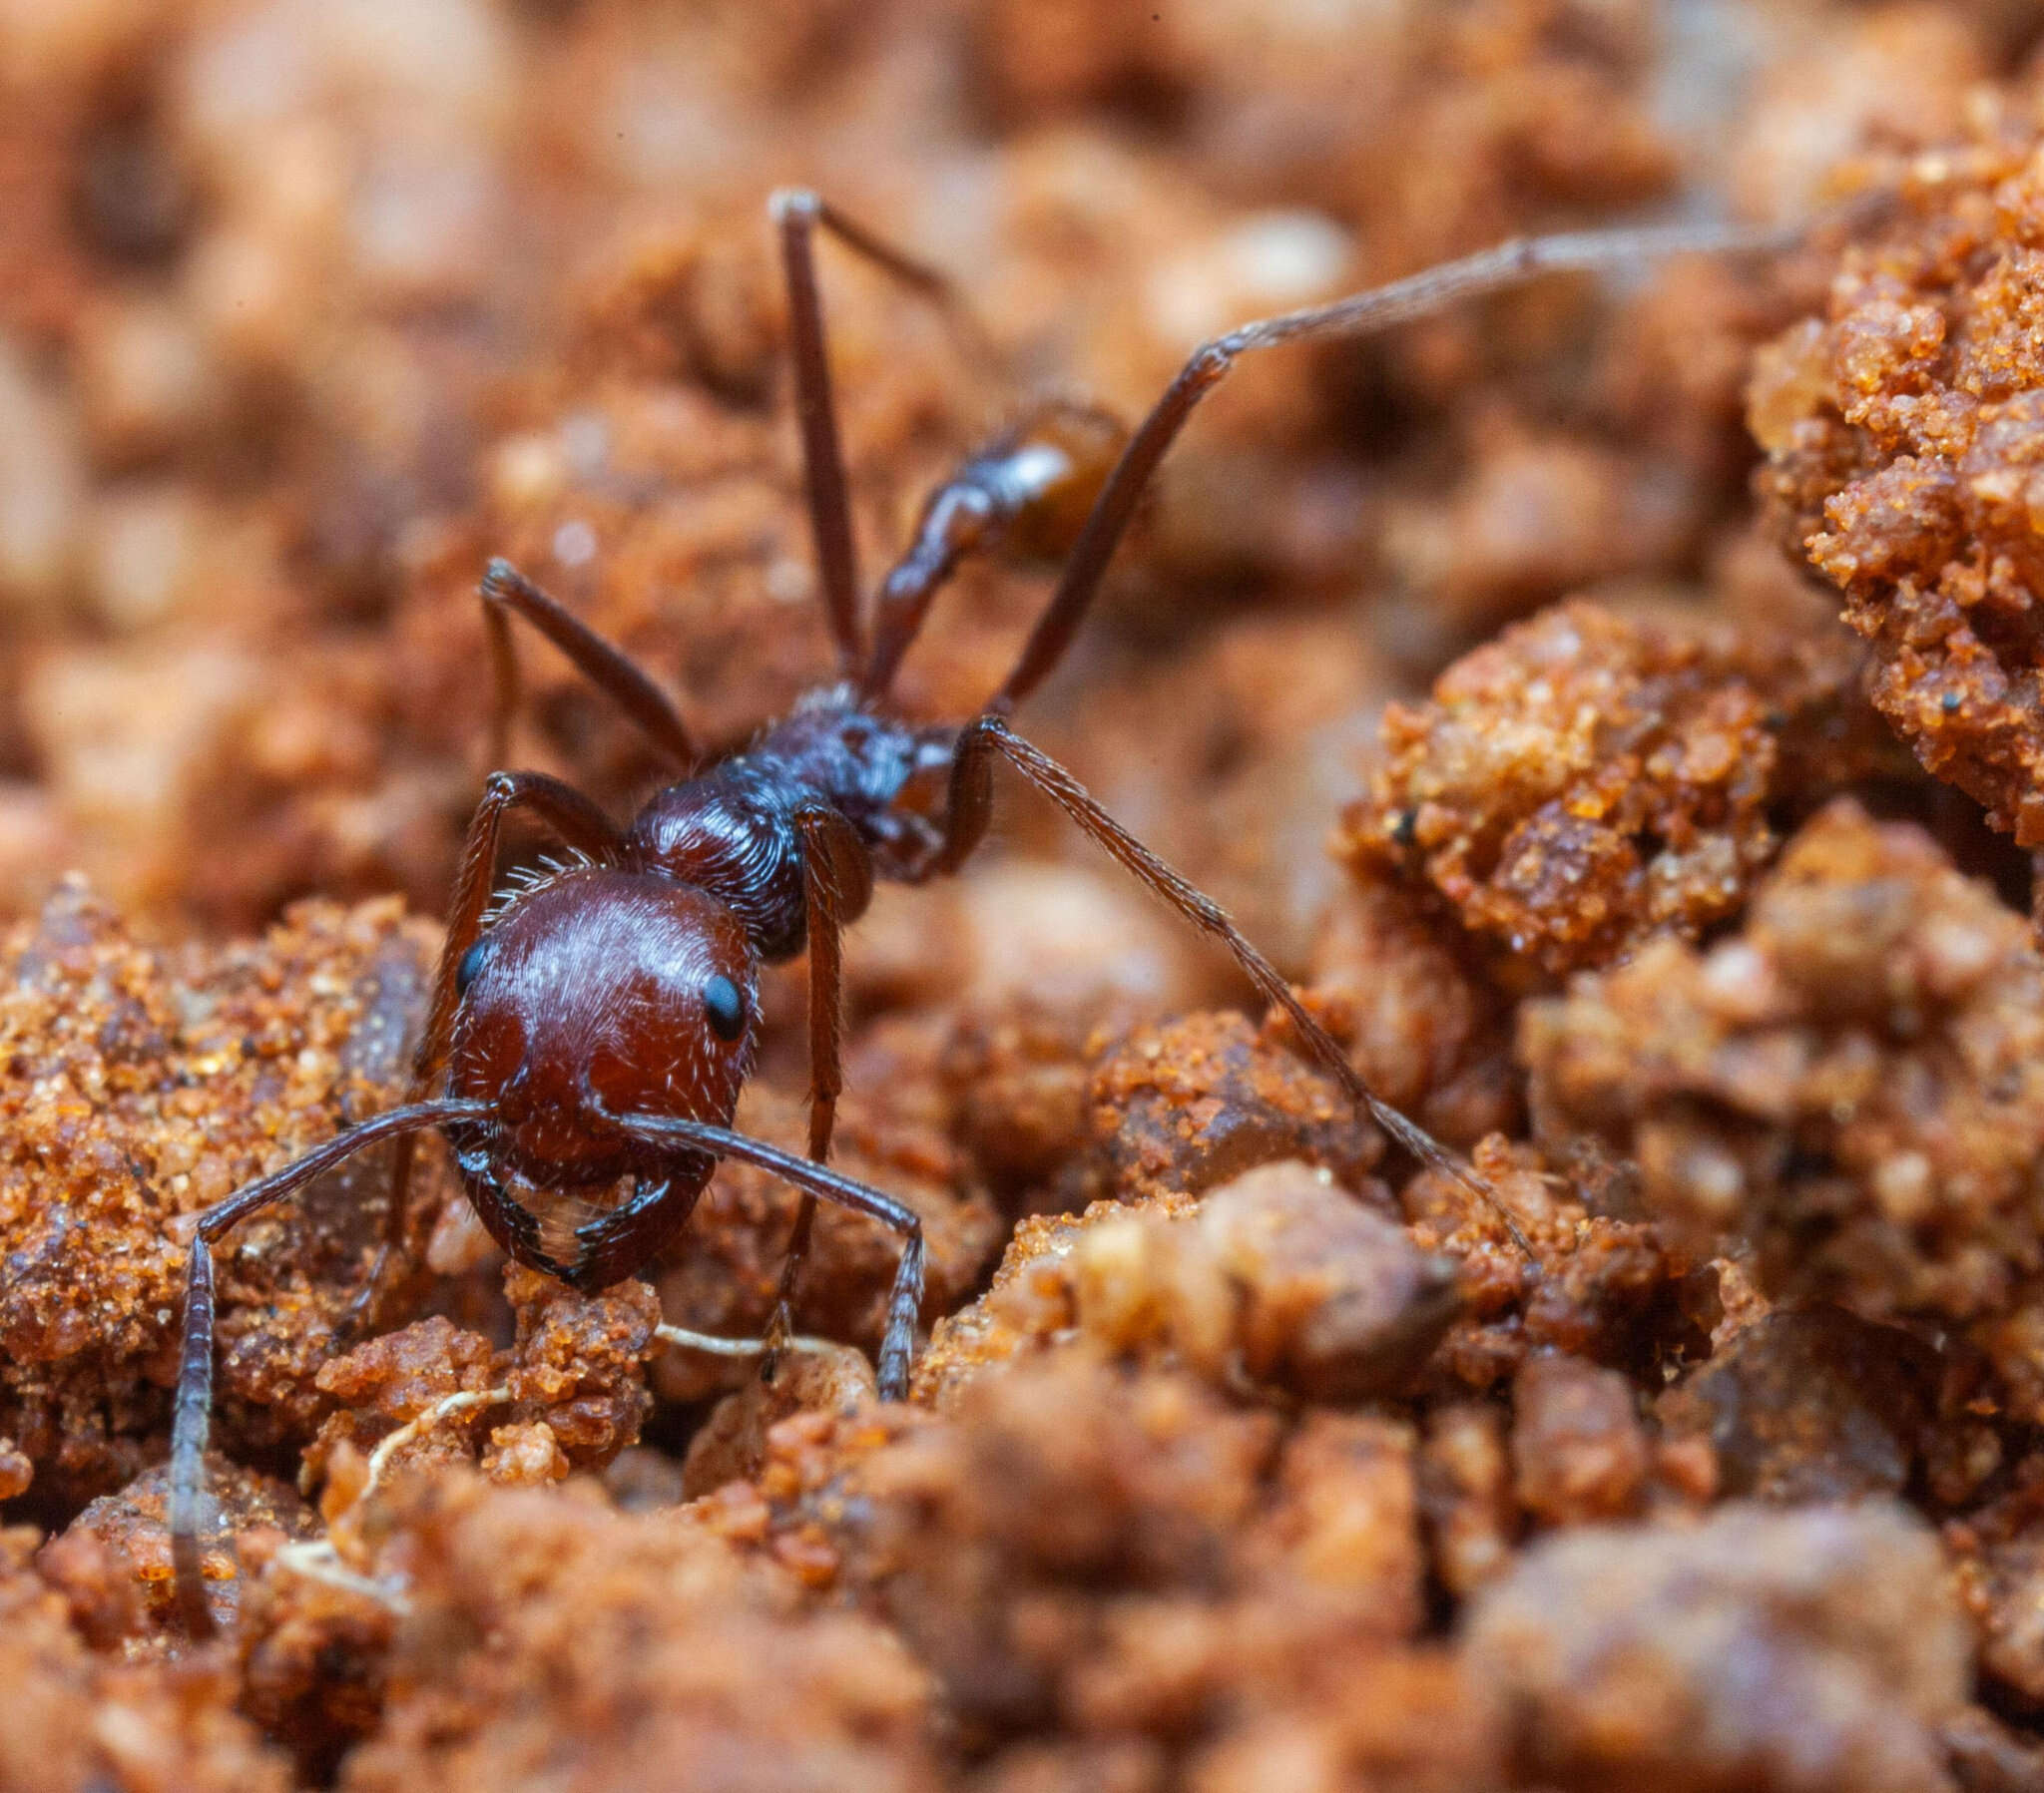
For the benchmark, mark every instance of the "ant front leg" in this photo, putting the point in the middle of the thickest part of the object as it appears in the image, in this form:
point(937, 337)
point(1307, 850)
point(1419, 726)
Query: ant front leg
point(192, 1406)
point(971, 803)
point(837, 883)
point(580, 825)
point(904, 1299)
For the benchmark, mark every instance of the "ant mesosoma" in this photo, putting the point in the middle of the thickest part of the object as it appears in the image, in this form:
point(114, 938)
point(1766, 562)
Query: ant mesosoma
point(599, 1025)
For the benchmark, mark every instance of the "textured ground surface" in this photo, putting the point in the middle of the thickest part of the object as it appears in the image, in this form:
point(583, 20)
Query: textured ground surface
point(1619, 710)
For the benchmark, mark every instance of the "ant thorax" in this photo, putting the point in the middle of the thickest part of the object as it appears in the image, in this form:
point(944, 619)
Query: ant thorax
point(736, 831)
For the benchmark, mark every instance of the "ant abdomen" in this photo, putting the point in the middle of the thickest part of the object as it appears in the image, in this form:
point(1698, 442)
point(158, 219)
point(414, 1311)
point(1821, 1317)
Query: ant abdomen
point(1026, 493)
point(1049, 471)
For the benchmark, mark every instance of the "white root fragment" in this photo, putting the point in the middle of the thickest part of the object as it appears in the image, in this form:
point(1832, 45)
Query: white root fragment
point(445, 1409)
point(318, 1560)
point(451, 1405)
point(682, 1337)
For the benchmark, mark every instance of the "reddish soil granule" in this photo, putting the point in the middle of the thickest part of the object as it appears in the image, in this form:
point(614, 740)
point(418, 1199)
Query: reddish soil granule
point(1643, 1652)
point(1587, 781)
point(1853, 1081)
point(1901, 430)
point(138, 1085)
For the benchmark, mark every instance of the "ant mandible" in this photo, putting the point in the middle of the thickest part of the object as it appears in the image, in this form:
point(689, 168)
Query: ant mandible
point(600, 1024)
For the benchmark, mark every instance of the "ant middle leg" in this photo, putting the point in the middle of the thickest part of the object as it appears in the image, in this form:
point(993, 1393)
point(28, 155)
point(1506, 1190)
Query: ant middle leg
point(507, 593)
point(970, 806)
point(1497, 269)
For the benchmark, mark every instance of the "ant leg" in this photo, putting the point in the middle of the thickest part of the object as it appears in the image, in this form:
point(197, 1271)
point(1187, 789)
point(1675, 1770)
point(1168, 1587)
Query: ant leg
point(1509, 264)
point(192, 1409)
point(798, 213)
point(904, 1301)
point(506, 593)
point(931, 285)
point(965, 822)
point(838, 880)
point(582, 827)
point(837, 883)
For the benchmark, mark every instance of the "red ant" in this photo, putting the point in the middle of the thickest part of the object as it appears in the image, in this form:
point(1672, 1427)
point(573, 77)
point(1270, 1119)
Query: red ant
point(599, 1025)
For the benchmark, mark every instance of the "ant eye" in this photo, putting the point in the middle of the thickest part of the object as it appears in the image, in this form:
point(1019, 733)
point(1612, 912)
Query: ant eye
point(724, 1006)
point(465, 972)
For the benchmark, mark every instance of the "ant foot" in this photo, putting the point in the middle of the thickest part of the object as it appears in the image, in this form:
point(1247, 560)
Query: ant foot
point(779, 1335)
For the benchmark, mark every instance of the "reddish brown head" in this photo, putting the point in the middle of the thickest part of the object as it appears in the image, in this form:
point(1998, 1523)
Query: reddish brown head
point(601, 993)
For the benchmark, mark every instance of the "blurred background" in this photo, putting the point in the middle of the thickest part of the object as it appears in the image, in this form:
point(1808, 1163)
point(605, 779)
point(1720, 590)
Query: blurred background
point(307, 306)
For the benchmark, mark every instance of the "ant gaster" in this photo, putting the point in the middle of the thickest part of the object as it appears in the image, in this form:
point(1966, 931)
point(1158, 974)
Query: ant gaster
point(599, 1027)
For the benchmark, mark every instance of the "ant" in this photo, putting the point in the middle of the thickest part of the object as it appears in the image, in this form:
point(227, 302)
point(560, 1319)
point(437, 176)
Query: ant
point(599, 1025)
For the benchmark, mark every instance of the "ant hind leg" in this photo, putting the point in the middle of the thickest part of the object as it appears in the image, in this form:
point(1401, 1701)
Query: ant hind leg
point(798, 214)
point(1510, 265)
point(971, 801)
point(1367, 313)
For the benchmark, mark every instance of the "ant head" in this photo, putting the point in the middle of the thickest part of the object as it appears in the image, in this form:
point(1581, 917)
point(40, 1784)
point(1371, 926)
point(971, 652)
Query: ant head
point(602, 992)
